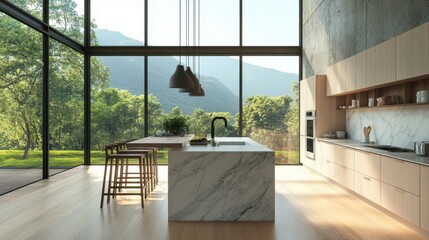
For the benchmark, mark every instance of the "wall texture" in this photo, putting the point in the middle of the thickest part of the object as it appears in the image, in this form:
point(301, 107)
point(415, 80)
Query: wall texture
point(337, 29)
point(390, 126)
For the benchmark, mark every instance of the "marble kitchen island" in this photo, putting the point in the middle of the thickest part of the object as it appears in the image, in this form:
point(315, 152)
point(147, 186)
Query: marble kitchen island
point(222, 183)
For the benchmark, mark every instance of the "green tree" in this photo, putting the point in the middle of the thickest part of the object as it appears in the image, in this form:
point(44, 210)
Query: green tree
point(21, 80)
point(20, 84)
point(263, 112)
point(292, 119)
point(199, 123)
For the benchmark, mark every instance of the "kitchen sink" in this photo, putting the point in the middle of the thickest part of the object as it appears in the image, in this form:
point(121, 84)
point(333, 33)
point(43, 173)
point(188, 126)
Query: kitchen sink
point(389, 148)
point(231, 142)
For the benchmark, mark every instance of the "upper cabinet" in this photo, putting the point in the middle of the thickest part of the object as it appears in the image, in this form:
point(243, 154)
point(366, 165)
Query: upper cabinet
point(336, 78)
point(360, 68)
point(380, 63)
point(403, 57)
point(412, 53)
point(350, 74)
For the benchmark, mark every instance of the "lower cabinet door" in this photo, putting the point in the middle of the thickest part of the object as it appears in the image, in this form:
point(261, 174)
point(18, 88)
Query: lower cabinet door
point(401, 202)
point(344, 176)
point(424, 197)
point(367, 187)
point(328, 169)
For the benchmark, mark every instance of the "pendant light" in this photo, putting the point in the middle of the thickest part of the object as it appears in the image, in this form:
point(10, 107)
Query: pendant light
point(180, 79)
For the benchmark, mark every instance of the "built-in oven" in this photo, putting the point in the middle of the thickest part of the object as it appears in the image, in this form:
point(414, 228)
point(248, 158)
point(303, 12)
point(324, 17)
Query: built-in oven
point(310, 128)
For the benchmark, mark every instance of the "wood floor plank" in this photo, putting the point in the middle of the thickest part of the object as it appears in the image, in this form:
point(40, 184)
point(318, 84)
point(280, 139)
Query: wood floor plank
point(307, 207)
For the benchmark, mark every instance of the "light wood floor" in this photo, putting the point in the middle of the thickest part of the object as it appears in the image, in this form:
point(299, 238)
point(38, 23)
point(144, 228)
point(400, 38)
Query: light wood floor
point(307, 207)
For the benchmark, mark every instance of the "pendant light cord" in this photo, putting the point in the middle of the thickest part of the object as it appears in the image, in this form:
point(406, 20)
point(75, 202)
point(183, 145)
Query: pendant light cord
point(180, 31)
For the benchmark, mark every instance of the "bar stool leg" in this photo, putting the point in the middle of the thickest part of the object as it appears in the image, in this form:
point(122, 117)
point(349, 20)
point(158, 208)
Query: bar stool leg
point(103, 193)
point(142, 181)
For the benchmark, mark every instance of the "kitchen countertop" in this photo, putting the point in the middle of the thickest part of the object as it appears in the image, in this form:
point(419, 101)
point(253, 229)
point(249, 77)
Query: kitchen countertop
point(406, 156)
point(249, 146)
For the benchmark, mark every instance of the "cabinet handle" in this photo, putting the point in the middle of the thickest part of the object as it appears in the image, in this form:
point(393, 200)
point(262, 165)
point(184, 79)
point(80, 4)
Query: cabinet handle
point(399, 190)
point(367, 178)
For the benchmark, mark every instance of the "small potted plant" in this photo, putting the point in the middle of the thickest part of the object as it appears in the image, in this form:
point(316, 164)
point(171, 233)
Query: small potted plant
point(175, 125)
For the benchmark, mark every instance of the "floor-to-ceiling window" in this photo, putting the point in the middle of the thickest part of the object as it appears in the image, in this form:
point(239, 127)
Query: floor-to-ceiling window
point(117, 102)
point(20, 104)
point(270, 104)
point(66, 131)
point(119, 74)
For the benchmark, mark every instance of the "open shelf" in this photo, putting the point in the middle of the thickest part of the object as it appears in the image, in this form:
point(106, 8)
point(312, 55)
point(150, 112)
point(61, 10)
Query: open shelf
point(402, 95)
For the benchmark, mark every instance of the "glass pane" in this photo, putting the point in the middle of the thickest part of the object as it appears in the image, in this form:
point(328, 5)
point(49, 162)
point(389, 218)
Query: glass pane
point(20, 104)
point(117, 104)
point(271, 23)
point(214, 30)
point(163, 21)
point(270, 104)
point(118, 23)
point(66, 131)
point(219, 79)
point(67, 17)
point(220, 23)
point(35, 7)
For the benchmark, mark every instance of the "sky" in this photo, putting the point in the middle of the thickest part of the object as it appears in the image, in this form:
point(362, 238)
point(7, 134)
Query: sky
point(268, 22)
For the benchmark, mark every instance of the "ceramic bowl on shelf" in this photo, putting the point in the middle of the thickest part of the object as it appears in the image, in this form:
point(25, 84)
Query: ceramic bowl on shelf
point(341, 134)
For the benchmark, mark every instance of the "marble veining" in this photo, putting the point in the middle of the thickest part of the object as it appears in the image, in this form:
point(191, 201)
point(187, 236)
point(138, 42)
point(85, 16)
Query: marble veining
point(390, 126)
point(221, 186)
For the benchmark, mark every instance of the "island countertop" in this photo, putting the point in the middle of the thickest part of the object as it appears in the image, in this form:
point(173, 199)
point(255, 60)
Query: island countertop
point(249, 146)
point(222, 183)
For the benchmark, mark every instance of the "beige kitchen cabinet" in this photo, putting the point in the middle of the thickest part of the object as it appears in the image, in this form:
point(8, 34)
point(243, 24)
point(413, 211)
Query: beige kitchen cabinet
point(328, 169)
point(401, 174)
point(424, 197)
point(412, 53)
point(328, 152)
point(381, 63)
point(336, 74)
point(328, 158)
point(318, 155)
point(367, 187)
point(400, 202)
point(344, 176)
point(345, 156)
point(360, 68)
point(408, 54)
point(302, 122)
point(350, 74)
point(310, 94)
point(367, 164)
point(425, 48)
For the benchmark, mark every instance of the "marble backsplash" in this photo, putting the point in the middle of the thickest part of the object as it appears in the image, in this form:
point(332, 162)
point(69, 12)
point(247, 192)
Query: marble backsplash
point(398, 127)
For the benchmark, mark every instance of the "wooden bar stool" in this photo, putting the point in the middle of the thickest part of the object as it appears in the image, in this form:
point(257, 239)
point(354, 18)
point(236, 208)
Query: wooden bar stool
point(121, 149)
point(114, 161)
point(153, 171)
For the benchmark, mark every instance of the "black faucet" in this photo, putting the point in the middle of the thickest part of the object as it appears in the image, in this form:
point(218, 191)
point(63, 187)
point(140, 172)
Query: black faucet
point(213, 129)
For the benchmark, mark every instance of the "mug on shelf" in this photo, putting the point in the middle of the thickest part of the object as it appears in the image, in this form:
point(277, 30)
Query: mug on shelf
point(370, 102)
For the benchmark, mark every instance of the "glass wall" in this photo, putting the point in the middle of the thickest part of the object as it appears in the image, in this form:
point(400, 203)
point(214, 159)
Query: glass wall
point(117, 102)
point(20, 104)
point(118, 23)
point(270, 104)
point(271, 23)
point(214, 30)
point(65, 107)
point(34, 7)
point(67, 17)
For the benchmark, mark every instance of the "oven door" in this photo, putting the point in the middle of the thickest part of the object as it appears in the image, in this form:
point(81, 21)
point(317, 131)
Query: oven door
point(309, 151)
point(310, 127)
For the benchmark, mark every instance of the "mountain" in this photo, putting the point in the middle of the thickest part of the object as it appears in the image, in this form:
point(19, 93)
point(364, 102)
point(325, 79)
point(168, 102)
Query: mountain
point(219, 79)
